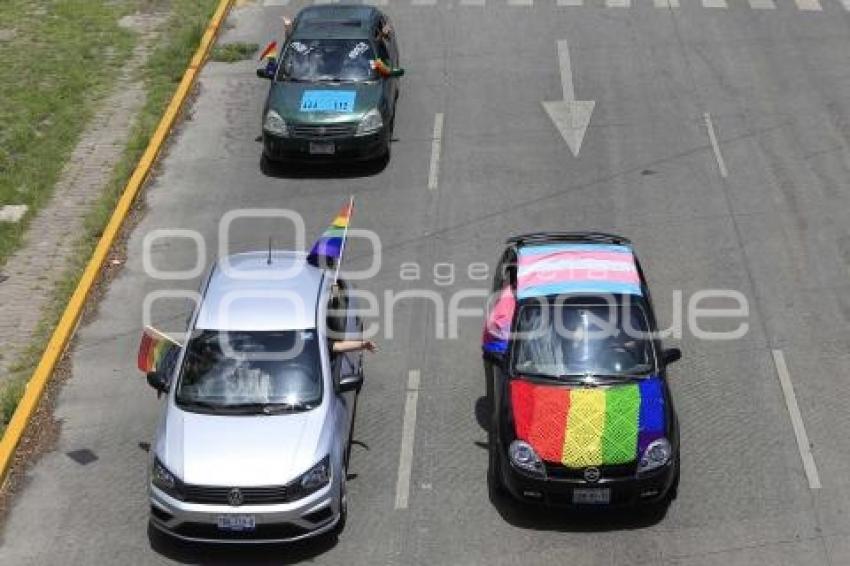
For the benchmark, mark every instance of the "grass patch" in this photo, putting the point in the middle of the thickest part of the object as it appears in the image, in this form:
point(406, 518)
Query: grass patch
point(163, 71)
point(233, 52)
point(58, 60)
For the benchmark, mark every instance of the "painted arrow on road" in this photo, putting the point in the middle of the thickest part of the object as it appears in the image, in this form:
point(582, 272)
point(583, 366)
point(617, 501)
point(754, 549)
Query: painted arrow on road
point(571, 116)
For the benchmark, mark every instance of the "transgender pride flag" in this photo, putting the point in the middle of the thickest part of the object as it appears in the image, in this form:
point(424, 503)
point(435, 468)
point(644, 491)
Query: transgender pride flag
point(564, 269)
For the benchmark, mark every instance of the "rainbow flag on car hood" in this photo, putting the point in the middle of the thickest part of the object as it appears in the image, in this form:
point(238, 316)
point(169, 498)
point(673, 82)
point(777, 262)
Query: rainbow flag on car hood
point(329, 247)
point(580, 427)
point(156, 351)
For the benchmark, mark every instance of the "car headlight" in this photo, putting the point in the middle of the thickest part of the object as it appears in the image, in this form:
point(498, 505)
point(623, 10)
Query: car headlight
point(162, 478)
point(311, 481)
point(657, 454)
point(371, 123)
point(523, 456)
point(276, 125)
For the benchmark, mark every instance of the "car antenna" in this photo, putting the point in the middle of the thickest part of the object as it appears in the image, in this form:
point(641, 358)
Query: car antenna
point(269, 260)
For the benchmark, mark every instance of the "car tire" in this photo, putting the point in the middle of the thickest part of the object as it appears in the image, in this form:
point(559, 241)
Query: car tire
point(343, 504)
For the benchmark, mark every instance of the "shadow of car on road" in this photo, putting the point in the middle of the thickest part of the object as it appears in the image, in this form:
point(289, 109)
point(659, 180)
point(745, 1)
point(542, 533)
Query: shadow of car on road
point(186, 552)
point(322, 170)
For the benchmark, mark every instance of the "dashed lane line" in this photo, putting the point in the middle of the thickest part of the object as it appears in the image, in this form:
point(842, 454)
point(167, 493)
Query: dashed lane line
point(712, 137)
point(408, 431)
point(436, 148)
point(796, 420)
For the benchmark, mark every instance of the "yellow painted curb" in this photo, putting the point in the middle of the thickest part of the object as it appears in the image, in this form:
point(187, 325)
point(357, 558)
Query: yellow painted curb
point(71, 317)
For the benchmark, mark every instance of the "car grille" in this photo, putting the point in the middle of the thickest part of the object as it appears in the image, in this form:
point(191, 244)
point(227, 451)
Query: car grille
point(557, 471)
point(250, 495)
point(262, 532)
point(322, 131)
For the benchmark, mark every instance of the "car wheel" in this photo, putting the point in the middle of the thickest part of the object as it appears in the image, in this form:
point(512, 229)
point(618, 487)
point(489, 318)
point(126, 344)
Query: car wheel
point(343, 504)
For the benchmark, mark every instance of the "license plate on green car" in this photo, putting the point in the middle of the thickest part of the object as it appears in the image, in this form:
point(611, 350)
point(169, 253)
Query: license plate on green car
point(322, 148)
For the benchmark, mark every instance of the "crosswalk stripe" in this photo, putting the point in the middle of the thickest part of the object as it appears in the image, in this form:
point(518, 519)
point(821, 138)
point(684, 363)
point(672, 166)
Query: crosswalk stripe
point(762, 5)
point(714, 4)
point(319, 2)
point(666, 3)
point(275, 2)
point(520, 2)
point(578, 2)
point(477, 2)
point(809, 5)
point(618, 3)
point(423, 2)
point(846, 4)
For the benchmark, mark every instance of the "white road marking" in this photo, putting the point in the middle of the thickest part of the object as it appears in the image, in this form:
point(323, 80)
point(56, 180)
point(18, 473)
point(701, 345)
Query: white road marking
point(482, 2)
point(405, 459)
point(423, 2)
point(796, 420)
point(809, 5)
point(12, 212)
point(275, 2)
point(666, 3)
point(721, 163)
point(714, 4)
point(846, 4)
point(520, 2)
point(762, 5)
point(436, 148)
point(578, 2)
point(570, 116)
point(618, 3)
point(320, 2)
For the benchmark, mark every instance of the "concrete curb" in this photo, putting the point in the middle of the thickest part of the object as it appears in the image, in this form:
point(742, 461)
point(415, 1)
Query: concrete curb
point(71, 316)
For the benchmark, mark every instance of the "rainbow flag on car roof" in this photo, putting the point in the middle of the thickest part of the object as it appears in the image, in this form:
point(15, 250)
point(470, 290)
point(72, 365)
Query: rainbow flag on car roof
point(329, 247)
point(589, 426)
point(156, 351)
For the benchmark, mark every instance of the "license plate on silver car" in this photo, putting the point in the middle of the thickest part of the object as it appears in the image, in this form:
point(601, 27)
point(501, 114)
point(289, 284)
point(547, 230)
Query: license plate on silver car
point(236, 522)
point(594, 496)
point(317, 148)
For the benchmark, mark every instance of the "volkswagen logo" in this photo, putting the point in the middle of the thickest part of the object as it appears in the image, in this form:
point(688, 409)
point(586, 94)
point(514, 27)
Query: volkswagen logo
point(235, 497)
point(591, 475)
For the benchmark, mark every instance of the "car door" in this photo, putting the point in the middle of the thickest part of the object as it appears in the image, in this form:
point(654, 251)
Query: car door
point(344, 324)
point(390, 84)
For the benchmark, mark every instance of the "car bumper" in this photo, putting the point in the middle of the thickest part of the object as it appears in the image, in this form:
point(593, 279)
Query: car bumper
point(355, 148)
point(313, 515)
point(651, 487)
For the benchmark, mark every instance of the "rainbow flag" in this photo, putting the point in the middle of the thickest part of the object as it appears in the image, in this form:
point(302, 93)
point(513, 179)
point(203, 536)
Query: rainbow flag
point(580, 427)
point(328, 248)
point(269, 51)
point(156, 351)
point(382, 68)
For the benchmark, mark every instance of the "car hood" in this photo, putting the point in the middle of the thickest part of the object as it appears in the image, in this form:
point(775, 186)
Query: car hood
point(589, 426)
point(286, 99)
point(242, 450)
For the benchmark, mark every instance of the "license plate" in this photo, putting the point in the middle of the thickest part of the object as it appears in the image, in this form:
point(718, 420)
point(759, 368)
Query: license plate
point(322, 148)
point(596, 496)
point(236, 522)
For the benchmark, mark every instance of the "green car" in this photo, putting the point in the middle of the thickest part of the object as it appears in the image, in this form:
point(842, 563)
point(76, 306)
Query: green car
point(333, 88)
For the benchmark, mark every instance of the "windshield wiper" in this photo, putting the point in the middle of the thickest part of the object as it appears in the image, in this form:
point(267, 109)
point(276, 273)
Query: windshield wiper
point(185, 403)
point(271, 408)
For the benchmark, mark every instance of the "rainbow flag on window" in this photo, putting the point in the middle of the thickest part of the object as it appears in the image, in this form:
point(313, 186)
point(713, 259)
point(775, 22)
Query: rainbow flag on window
point(580, 427)
point(156, 351)
point(328, 249)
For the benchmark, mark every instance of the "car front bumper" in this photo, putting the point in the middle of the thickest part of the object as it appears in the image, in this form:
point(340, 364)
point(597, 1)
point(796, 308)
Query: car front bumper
point(354, 148)
point(313, 515)
point(650, 487)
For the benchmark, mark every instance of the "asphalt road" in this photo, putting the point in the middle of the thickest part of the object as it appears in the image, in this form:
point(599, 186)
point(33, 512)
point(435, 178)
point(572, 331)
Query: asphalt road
point(765, 212)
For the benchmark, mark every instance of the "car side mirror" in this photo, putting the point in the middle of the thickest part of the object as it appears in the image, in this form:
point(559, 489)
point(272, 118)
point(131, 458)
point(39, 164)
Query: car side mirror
point(351, 382)
point(495, 358)
point(158, 381)
point(396, 73)
point(671, 355)
point(268, 70)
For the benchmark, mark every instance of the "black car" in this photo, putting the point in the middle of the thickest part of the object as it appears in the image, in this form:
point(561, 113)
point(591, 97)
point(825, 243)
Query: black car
point(582, 413)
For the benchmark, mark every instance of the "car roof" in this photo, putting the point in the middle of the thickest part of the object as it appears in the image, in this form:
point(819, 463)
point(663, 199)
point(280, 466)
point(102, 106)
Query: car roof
point(338, 21)
point(247, 292)
point(560, 268)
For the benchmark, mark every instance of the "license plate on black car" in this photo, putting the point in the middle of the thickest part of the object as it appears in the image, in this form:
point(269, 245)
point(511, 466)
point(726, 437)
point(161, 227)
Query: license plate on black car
point(594, 496)
point(322, 148)
point(236, 523)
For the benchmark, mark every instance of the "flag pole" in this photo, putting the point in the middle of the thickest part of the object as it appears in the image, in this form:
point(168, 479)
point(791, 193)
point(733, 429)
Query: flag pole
point(344, 238)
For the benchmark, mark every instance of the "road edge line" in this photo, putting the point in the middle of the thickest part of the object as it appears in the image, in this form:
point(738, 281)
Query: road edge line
point(67, 325)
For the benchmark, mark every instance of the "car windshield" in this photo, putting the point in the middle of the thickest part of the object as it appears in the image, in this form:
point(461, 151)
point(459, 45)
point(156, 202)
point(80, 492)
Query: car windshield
point(583, 340)
point(251, 372)
point(327, 60)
